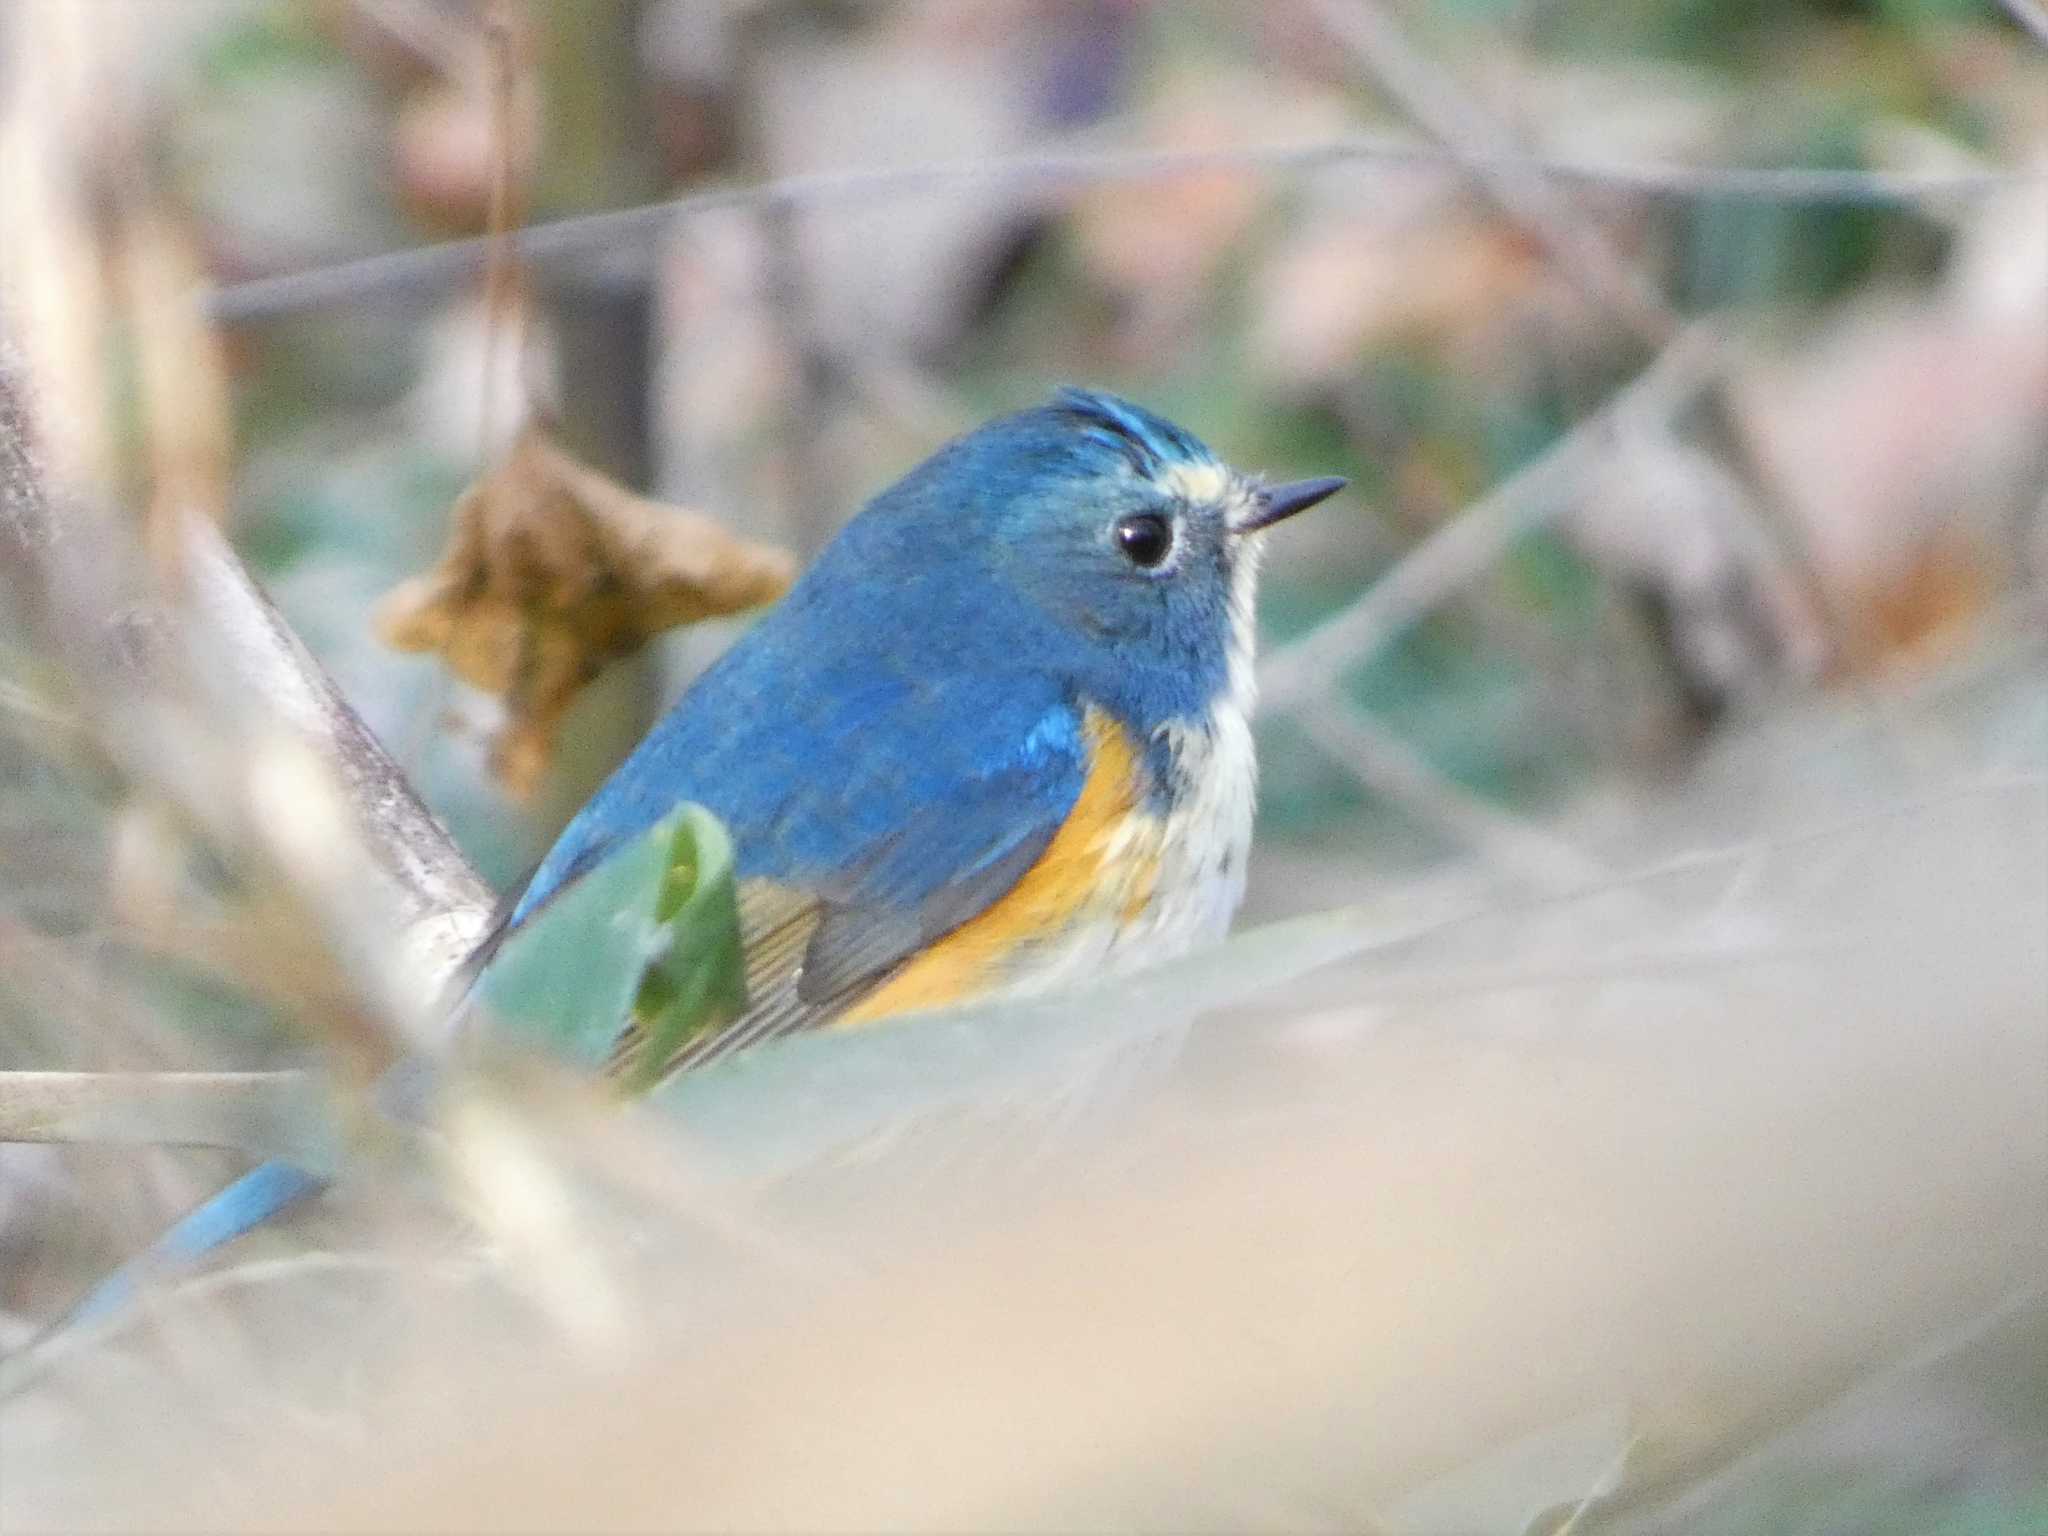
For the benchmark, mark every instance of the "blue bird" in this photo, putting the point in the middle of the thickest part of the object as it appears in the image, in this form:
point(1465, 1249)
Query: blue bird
point(997, 737)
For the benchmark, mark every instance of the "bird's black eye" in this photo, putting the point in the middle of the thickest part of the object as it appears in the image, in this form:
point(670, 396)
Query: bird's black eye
point(1146, 538)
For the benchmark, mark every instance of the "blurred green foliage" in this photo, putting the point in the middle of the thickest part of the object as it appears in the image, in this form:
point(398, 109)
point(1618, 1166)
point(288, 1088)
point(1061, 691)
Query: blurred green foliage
point(1423, 422)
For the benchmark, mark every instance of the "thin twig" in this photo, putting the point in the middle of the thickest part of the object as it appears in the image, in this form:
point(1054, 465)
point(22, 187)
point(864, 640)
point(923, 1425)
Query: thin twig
point(1480, 145)
point(1603, 1485)
point(25, 524)
point(1706, 962)
point(1392, 769)
point(17, 700)
point(506, 301)
point(23, 1368)
point(1464, 546)
point(249, 1111)
point(429, 892)
point(1679, 1492)
point(432, 269)
point(423, 31)
point(812, 375)
point(504, 284)
point(1484, 147)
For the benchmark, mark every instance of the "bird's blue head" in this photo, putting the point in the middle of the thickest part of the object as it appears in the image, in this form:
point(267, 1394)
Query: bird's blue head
point(1085, 536)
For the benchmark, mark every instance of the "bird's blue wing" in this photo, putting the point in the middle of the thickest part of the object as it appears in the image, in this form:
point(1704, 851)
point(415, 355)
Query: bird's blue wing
point(873, 808)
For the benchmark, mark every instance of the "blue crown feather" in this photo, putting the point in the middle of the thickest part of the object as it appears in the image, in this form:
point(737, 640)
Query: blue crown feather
point(1150, 442)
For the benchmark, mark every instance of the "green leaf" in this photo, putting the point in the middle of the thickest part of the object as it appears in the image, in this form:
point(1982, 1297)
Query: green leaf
point(698, 980)
point(631, 961)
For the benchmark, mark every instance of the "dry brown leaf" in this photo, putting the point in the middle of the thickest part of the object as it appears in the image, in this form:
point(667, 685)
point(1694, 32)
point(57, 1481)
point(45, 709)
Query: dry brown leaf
point(553, 571)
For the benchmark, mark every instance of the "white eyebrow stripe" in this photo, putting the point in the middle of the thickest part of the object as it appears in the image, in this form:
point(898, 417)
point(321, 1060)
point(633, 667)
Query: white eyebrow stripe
point(1198, 483)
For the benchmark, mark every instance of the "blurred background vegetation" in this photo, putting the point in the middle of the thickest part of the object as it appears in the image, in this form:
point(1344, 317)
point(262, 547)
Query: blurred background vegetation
point(1428, 246)
point(775, 361)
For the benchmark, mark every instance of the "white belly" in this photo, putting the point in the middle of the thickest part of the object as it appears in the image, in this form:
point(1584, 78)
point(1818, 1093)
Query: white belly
point(1184, 871)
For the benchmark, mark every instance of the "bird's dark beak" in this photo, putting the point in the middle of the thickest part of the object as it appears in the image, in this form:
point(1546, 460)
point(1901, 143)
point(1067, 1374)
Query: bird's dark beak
point(1278, 502)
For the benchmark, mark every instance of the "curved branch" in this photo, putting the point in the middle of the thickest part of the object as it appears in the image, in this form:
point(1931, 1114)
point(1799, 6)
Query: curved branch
point(437, 903)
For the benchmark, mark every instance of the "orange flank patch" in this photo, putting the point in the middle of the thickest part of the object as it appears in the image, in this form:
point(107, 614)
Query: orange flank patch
point(1089, 869)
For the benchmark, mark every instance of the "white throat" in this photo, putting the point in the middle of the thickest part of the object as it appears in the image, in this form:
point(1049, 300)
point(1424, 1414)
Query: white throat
point(1215, 771)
